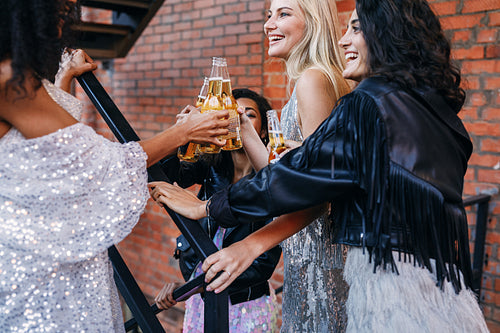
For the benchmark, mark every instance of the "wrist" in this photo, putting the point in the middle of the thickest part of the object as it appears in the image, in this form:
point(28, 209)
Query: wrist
point(183, 133)
point(204, 209)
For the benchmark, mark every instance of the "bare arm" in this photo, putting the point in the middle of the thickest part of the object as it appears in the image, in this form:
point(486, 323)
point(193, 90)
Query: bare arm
point(194, 127)
point(236, 258)
point(254, 148)
point(315, 100)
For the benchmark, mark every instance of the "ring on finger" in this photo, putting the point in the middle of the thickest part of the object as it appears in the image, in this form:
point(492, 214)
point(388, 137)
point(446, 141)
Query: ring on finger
point(228, 274)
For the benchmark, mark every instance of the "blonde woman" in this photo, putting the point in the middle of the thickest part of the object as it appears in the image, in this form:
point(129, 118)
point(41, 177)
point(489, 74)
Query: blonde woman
point(305, 34)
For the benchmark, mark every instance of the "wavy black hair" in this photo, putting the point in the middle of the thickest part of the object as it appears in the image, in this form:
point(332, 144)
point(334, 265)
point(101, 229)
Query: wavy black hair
point(406, 44)
point(32, 35)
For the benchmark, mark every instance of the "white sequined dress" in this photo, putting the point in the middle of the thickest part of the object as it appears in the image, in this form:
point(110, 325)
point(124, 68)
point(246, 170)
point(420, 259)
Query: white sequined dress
point(64, 199)
point(314, 290)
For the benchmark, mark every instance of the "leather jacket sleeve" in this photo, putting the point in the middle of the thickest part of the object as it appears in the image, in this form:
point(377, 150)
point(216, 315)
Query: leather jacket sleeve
point(302, 178)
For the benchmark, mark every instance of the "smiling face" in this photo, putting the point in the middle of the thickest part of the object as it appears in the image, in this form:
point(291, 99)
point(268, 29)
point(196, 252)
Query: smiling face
point(284, 27)
point(356, 51)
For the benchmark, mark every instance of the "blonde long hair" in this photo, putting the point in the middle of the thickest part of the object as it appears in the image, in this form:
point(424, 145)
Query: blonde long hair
point(319, 47)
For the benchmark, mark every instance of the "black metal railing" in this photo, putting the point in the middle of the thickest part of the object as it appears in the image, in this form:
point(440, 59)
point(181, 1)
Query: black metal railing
point(482, 202)
point(216, 305)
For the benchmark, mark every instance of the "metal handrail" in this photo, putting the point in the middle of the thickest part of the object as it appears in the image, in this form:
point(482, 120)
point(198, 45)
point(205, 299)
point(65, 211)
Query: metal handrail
point(482, 202)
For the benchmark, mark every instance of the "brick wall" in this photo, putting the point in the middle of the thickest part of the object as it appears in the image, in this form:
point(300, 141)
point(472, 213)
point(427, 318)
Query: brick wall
point(164, 70)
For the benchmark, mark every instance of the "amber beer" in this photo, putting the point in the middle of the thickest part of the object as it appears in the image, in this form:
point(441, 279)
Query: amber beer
point(276, 141)
point(190, 152)
point(233, 138)
point(213, 102)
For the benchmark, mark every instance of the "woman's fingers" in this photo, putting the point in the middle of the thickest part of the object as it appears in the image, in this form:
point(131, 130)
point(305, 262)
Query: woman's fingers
point(164, 300)
point(178, 199)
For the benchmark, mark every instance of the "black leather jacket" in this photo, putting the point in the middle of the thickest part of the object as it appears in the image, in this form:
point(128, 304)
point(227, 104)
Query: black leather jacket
point(392, 164)
point(252, 283)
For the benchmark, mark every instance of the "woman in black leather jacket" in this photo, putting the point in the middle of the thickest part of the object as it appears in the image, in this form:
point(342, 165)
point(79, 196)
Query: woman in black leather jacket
point(215, 173)
point(391, 159)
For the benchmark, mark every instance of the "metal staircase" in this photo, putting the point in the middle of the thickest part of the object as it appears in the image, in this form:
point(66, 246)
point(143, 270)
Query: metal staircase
point(128, 19)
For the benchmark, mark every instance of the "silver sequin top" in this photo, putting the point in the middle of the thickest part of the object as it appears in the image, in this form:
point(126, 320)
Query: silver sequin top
point(314, 291)
point(64, 199)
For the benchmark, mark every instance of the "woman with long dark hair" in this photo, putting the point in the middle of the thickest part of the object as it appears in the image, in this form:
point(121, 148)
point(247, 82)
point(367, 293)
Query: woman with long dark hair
point(391, 159)
point(253, 306)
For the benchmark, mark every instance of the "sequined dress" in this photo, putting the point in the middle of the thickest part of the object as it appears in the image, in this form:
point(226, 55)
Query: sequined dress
point(64, 199)
point(314, 290)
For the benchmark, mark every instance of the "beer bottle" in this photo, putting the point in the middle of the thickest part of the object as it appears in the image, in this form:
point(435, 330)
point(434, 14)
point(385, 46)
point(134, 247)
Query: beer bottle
point(233, 138)
point(213, 102)
point(276, 141)
point(190, 151)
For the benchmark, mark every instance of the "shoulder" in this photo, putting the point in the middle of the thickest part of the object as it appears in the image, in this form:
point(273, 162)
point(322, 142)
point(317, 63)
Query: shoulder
point(376, 87)
point(313, 79)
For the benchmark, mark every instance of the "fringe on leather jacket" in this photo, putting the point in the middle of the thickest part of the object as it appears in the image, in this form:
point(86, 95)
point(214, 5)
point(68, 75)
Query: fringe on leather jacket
point(392, 164)
point(251, 284)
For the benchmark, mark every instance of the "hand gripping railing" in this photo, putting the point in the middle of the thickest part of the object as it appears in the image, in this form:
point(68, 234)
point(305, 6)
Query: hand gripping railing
point(216, 305)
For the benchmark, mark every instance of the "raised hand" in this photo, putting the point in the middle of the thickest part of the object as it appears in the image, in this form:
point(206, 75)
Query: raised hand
point(73, 64)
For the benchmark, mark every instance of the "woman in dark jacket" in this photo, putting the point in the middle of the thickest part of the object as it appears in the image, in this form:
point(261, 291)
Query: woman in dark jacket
point(391, 159)
point(252, 306)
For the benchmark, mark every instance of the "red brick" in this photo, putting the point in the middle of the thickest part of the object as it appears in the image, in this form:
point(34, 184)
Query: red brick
point(494, 19)
point(487, 36)
point(491, 145)
point(493, 83)
point(249, 39)
point(345, 6)
point(492, 51)
point(468, 113)
point(491, 114)
point(483, 159)
point(484, 128)
point(477, 99)
point(489, 176)
point(475, 52)
point(461, 36)
point(470, 82)
point(472, 6)
point(480, 66)
point(233, 8)
point(212, 12)
point(201, 4)
point(445, 8)
point(461, 22)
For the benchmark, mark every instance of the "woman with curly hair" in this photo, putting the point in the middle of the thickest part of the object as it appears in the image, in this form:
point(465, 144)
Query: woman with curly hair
point(391, 159)
point(66, 193)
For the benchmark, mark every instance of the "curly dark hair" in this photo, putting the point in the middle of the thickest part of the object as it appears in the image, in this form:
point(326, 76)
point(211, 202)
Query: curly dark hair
point(33, 34)
point(406, 44)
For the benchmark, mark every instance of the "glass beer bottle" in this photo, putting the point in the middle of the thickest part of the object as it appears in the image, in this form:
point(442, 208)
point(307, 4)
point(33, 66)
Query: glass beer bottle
point(276, 141)
point(213, 102)
point(233, 138)
point(190, 151)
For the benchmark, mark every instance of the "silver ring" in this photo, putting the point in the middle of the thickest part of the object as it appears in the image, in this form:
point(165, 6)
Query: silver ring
point(229, 274)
